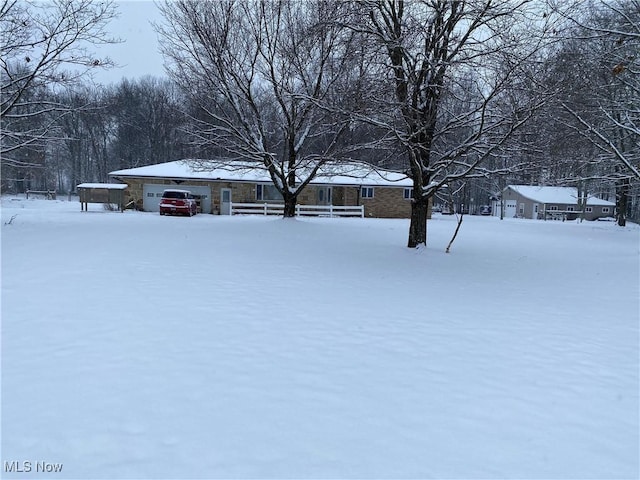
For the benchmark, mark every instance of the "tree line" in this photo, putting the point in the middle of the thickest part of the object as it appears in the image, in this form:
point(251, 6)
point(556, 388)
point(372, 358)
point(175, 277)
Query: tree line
point(464, 96)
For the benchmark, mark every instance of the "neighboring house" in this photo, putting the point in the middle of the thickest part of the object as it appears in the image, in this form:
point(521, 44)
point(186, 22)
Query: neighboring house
point(383, 193)
point(554, 203)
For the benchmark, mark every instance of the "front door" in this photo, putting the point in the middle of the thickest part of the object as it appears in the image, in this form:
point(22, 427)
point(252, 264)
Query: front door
point(535, 211)
point(225, 201)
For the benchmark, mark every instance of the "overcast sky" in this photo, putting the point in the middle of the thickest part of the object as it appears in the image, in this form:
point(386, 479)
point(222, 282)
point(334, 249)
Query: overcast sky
point(138, 55)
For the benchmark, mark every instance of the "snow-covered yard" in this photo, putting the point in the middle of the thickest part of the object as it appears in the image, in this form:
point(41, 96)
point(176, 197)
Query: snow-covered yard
point(141, 346)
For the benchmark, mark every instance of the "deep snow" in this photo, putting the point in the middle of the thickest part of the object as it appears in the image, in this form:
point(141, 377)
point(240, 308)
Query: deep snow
point(141, 346)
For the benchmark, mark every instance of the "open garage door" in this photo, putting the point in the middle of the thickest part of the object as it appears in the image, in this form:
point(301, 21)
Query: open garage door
point(152, 193)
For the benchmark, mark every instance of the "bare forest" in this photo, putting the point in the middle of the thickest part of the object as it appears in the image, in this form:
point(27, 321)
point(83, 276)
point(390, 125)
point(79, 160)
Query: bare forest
point(464, 96)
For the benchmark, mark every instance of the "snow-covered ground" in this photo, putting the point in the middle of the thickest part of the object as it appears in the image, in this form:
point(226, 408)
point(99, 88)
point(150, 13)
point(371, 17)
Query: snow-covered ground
point(141, 346)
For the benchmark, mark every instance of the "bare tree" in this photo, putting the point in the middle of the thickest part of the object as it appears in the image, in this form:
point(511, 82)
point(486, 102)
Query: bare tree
point(147, 120)
point(600, 103)
point(73, 151)
point(455, 70)
point(610, 30)
point(129, 124)
point(44, 46)
point(263, 73)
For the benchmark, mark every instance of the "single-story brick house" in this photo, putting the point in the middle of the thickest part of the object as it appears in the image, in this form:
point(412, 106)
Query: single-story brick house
point(535, 202)
point(382, 193)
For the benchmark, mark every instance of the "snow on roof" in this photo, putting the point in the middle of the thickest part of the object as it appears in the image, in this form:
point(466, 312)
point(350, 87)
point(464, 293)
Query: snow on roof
point(350, 173)
point(108, 186)
point(559, 195)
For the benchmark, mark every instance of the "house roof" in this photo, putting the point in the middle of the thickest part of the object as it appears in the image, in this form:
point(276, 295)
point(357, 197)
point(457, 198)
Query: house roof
point(559, 195)
point(348, 173)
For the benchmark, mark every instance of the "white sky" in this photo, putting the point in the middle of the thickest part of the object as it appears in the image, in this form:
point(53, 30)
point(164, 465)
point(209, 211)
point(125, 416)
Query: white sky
point(138, 54)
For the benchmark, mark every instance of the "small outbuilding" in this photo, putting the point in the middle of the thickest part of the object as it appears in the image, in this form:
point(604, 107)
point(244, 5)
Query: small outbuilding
point(109, 193)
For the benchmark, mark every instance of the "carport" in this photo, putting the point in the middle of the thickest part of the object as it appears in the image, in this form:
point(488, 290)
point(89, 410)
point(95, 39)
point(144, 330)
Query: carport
point(101, 193)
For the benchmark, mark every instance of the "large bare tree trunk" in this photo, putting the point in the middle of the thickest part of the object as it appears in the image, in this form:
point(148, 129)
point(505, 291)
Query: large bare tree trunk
point(418, 225)
point(622, 197)
point(290, 206)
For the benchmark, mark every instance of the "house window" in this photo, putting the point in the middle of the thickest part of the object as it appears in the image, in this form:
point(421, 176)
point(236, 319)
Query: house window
point(150, 194)
point(521, 210)
point(588, 209)
point(366, 192)
point(408, 193)
point(267, 193)
point(553, 208)
point(605, 210)
point(324, 195)
point(571, 209)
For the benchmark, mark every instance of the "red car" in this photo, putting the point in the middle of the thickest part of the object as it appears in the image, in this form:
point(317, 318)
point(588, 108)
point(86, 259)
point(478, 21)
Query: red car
point(178, 201)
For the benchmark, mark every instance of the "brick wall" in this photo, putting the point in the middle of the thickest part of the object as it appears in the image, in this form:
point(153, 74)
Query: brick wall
point(387, 202)
point(240, 192)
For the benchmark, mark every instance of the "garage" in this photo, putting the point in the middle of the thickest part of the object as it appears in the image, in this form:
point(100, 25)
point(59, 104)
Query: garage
point(510, 208)
point(152, 193)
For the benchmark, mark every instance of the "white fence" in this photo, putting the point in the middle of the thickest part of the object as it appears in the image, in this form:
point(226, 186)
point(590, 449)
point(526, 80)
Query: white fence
point(301, 210)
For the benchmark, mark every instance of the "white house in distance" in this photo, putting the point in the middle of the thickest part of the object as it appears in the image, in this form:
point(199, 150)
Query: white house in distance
point(553, 203)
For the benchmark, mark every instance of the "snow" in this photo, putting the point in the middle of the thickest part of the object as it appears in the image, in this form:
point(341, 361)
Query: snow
point(108, 186)
point(141, 346)
point(566, 195)
point(353, 173)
